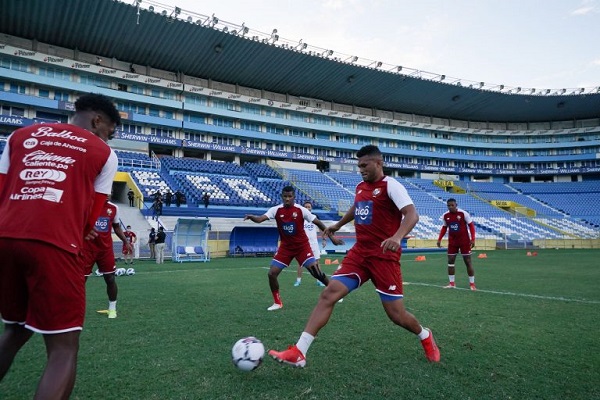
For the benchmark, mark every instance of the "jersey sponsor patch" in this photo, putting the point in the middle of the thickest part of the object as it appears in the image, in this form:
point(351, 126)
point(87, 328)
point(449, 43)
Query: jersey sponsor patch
point(363, 215)
point(454, 226)
point(289, 228)
point(102, 224)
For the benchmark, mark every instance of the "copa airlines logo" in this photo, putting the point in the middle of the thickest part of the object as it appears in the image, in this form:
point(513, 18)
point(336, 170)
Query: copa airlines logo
point(289, 228)
point(37, 193)
point(363, 214)
point(42, 173)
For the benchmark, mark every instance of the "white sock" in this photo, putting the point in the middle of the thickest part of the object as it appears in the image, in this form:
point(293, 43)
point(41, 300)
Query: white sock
point(451, 278)
point(471, 279)
point(304, 342)
point(112, 305)
point(298, 279)
point(424, 334)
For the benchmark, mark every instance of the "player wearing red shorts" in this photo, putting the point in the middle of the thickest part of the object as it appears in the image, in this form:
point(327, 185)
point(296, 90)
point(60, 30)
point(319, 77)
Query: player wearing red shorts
point(294, 243)
point(128, 248)
point(100, 251)
point(383, 214)
point(54, 180)
point(461, 237)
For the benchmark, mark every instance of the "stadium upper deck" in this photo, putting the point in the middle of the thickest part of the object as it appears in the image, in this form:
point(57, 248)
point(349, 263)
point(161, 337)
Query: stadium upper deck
point(199, 116)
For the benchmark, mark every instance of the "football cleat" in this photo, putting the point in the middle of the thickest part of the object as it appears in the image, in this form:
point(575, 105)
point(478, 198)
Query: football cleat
point(297, 283)
point(451, 285)
point(275, 306)
point(432, 352)
point(472, 286)
point(292, 356)
point(112, 314)
point(319, 283)
point(102, 311)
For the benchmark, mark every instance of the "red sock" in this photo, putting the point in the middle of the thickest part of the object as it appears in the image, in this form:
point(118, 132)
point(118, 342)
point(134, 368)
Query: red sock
point(276, 297)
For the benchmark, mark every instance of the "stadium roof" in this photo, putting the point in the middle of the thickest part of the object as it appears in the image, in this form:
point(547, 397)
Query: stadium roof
point(110, 29)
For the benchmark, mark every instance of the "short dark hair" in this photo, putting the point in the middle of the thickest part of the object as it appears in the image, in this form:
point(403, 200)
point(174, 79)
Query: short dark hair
point(98, 102)
point(450, 200)
point(368, 150)
point(288, 188)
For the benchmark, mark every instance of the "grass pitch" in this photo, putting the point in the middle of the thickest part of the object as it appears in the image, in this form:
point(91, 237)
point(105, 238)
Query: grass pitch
point(529, 332)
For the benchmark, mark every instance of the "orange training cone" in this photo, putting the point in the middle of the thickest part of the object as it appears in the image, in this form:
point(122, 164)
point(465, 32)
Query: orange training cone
point(335, 262)
point(420, 258)
point(482, 255)
point(327, 261)
point(528, 254)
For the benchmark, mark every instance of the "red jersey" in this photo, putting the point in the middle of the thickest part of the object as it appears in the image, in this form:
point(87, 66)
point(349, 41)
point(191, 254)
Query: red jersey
point(104, 223)
point(290, 223)
point(457, 225)
point(52, 172)
point(130, 236)
point(377, 215)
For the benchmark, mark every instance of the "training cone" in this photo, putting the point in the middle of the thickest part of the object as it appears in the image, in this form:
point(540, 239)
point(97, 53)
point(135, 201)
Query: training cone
point(420, 258)
point(534, 253)
point(327, 261)
point(482, 255)
point(528, 254)
point(335, 262)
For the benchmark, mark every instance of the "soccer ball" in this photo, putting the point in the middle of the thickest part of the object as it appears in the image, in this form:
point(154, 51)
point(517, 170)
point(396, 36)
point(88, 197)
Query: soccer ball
point(120, 271)
point(130, 271)
point(247, 353)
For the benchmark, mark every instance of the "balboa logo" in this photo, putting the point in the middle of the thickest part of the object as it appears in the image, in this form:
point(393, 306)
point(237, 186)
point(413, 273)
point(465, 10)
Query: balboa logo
point(40, 173)
point(30, 143)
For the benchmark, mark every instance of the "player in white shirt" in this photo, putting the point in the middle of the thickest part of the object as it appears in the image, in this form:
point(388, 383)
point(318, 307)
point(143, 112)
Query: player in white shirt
point(311, 232)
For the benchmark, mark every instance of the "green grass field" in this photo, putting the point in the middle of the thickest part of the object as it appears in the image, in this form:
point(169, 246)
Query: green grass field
point(529, 332)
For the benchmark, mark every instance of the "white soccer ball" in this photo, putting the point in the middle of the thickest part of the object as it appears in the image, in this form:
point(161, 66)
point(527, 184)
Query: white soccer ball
point(247, 353)
point(120, 271)
point(130, 271)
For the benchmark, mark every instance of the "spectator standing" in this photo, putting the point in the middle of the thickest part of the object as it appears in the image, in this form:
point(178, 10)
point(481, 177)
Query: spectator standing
point(40, 270)
point(168, 198)
point(131, 198)
point(178, 198)
point(161, 237)
point(206, 199)
point(157, 207)
point(152, 243)
point(461, 237)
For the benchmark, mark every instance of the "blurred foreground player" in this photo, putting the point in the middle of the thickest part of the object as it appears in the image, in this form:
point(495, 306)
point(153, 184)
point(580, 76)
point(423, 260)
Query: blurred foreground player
point(383, 214)
point(54, 180)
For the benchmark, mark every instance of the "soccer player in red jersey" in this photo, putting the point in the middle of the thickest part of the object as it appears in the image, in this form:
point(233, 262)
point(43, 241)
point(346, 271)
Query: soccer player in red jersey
point(461, 237)
point(54, 180)
point(383, 215)
point(128, 250)
point(294, 244)
point(100, 251)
